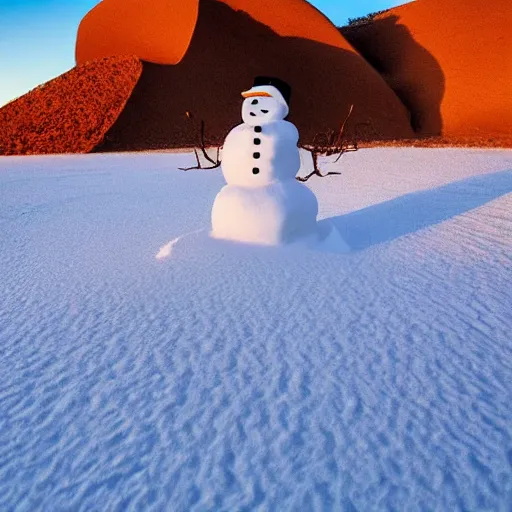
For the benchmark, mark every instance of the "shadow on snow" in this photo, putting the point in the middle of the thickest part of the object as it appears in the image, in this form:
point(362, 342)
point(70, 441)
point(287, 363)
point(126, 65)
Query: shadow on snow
point(409, 213)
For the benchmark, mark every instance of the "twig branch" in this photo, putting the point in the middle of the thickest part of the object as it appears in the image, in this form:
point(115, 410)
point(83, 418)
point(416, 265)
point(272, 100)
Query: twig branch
point(342, 129)
point(348, 149)
point(316, 173)
point(327, 143)
point(216, 163)
point(332, 145)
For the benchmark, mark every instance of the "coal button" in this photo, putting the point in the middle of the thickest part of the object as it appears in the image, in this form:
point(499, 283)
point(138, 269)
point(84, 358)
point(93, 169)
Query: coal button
point(255, 155)
point(257, 142)
point(255, 170)
point(257, 129)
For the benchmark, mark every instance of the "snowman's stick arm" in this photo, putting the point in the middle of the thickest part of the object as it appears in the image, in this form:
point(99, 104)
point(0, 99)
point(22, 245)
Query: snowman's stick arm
point(353, 147)
point(203, 148)
point(342, 128)
point(332, 146)
point(216, 163)
point(315, 173)
point(190, 168)
point(316, 169)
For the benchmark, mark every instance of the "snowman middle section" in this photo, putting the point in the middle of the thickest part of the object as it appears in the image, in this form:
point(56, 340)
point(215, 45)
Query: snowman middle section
point(262, 202)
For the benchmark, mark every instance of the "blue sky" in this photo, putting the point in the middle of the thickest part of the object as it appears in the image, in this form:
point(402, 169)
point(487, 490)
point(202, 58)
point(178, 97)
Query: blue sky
point(37, 37)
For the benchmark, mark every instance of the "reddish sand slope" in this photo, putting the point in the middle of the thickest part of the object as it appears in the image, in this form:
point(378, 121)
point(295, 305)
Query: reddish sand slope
point(71, 113)
point(154, 30)
point(449, 61)
point(229, 47)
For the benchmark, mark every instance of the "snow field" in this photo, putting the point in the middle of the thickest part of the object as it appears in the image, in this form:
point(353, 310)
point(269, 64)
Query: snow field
point(231, 377)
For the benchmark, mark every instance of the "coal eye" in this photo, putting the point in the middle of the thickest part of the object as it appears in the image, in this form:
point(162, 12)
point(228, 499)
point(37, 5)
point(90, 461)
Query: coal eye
point(252, 114)
point(264, 111)
point(254, 102)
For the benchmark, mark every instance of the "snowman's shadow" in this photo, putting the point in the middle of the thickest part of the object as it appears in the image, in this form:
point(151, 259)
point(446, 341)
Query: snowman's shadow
point(412, 212)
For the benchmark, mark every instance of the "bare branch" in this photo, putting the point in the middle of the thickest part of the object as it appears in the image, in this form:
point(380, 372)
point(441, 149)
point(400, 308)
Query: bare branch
point(348, 149)
point(189, 168)
point(342, 129)
point(216, 163)
point(332, 145)
point(315, 173)
point(326, 143)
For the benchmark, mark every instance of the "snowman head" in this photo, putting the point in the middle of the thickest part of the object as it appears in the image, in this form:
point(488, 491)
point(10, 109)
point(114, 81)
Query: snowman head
point(266, 102)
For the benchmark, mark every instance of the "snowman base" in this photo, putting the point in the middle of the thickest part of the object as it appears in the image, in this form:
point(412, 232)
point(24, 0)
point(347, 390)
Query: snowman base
point(280, 213)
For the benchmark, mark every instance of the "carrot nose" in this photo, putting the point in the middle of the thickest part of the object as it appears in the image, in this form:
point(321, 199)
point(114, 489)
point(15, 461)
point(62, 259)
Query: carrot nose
point(249, 94)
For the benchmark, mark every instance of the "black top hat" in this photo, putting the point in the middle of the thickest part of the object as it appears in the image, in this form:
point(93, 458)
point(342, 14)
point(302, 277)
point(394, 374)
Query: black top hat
point(279, 84)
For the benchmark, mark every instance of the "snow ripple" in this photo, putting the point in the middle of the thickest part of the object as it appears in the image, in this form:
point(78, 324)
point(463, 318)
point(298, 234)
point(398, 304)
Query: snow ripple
point(240, 378)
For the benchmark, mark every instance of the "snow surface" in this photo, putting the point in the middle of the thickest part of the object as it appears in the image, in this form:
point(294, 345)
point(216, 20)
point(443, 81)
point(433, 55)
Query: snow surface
point(229, 377)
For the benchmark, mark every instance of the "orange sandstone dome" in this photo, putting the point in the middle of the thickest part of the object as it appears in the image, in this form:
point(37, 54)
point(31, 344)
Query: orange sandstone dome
point(71, 113)
point(292, 18)
point(154, 30)
point(450, 62)
point(160, 31)
point(233, 41)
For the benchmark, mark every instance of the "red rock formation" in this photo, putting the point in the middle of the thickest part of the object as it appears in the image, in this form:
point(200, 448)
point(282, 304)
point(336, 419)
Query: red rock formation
point(229, 47)
point(449, 61)
point(292, 18)
point(157, 31)
point(71, 113)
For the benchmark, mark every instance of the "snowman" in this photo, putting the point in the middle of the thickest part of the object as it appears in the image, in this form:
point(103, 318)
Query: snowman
point(262, 202)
